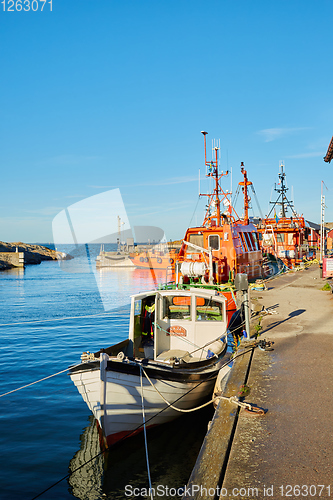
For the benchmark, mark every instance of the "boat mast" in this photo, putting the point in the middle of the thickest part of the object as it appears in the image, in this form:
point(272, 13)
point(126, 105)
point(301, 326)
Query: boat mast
point(214, 198)
point(247, 199)
point(282, 196)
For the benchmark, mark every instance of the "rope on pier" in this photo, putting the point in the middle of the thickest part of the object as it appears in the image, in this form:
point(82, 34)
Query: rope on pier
point(231, 399)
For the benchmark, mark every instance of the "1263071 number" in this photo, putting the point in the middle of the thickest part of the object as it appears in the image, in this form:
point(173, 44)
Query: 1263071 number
point(304, 490)
point(26, 5)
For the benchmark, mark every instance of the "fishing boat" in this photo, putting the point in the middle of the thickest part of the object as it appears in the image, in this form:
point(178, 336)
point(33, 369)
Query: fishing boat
point(160, 257)
point(283, 237)
point(169, 362)
point(225, 244)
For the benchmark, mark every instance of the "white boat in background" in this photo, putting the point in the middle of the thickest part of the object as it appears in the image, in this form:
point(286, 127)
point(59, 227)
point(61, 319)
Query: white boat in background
point(175, 369)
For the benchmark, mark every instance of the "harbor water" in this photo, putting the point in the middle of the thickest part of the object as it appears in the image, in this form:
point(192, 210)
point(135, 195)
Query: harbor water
point(50, 314)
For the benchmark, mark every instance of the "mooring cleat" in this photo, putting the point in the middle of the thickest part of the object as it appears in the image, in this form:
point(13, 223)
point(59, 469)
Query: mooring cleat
point(265, 345)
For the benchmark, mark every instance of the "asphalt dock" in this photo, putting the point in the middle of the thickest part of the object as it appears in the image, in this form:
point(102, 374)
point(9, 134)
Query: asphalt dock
point(288, 451)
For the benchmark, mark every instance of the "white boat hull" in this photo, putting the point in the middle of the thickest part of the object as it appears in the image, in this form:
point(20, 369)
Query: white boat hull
point(121, 415)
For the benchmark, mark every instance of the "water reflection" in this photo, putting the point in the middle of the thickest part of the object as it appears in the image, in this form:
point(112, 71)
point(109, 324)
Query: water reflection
point(115, 285)
point(85, 481)
point(15, 272)
point(173, 449)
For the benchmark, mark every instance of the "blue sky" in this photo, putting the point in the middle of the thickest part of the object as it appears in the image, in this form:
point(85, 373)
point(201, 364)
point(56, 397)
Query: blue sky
point(104, 94)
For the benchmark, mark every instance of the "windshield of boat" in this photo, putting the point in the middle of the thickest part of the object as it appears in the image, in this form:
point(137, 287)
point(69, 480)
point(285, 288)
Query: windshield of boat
point(196, 239)
point(176, 307)
point(208, 309)
point(214, 241)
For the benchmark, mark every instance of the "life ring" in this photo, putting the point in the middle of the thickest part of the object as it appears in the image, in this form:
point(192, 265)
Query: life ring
point(171, 261)
point(141, 259)
point(159, 260)
point(146, 259)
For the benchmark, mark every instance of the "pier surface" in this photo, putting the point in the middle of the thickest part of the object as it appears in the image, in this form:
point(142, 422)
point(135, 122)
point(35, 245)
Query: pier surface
point(288, 452)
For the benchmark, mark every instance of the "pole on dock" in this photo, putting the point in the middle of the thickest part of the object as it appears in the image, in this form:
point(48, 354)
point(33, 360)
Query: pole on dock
point(242, 285)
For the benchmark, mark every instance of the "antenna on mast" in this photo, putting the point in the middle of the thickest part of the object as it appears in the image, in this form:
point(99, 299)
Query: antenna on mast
point(204, 134)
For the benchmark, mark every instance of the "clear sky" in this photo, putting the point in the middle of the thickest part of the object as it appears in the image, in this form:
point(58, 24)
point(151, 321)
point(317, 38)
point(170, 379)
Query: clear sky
point(104, 94)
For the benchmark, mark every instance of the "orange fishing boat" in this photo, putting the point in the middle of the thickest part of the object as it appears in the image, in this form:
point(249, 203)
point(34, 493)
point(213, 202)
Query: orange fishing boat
point(225, 244)
point(282, 236)
point(163, 258)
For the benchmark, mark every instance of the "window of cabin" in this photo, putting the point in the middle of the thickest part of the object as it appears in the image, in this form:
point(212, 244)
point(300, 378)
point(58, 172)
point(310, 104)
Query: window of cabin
point(196, 239)
point(207, 309)
point(214, 242)
point(290, 238)
point(249, 242)
point(175, 307)
point(260, 236)
point(244, 244)
point(255, 240)
point(280, 238)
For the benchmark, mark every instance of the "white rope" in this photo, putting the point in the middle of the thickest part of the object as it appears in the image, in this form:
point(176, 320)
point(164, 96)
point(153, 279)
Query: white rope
point(145, 434)
point(54, 319)
point(231, 399)
point(235, 400)
point(36, 382)
point(167, 402)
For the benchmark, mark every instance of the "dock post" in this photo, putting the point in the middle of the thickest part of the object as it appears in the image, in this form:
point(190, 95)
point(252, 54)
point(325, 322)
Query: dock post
point(103, 365)
point(242, 284)
point(246, 313)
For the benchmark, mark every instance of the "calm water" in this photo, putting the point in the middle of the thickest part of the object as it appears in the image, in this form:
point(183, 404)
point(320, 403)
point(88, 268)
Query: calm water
point(48, 318)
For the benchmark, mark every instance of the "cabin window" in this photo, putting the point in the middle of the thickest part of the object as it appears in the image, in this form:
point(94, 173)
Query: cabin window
point(137, 307)
point(213, 242)
point(244, 244)
point(255, 240)
point(176, 307)
point(280, 238)
point(249, 242)
point(196, 239)
point(260, 236)
point(208, 309)
point(290, 239)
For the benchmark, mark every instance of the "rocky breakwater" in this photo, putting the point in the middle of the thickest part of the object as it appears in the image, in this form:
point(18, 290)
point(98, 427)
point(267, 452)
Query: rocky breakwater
point(33, 254)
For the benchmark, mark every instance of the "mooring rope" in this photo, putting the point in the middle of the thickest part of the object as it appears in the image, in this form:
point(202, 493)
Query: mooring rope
point(36, 382)
point(231, 399)
point(145, 433)
point(54, 319)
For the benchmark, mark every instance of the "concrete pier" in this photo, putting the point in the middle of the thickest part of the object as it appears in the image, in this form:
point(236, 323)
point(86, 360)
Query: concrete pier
point(288, 452)
point(13, 259)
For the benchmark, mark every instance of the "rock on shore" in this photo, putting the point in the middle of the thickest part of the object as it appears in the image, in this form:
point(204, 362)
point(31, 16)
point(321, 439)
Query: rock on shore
point(33, 254)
